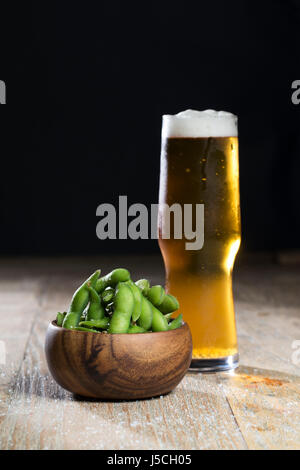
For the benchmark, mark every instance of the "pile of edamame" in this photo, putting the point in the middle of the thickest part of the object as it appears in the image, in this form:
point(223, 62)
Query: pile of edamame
point(115, 304)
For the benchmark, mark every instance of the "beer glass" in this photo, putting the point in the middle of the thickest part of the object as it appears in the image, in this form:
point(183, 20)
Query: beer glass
point(199, 167)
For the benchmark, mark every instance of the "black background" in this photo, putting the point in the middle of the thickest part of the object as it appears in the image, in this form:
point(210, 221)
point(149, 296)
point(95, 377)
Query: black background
point(87, 84)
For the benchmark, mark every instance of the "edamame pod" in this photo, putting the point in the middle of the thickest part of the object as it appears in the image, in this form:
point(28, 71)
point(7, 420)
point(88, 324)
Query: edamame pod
point(136, 329)
point(112, 279)
point(102, 323)
point(79, 301)
point(145, 319)
point(168, 315)
point(81, 328)
point(60, 318)
point(144, 285)
point(96, 310)
point(166, 303)
point(159, 321)
point(123, 308)
point(169, 304)
point(137, 309)
point(176, 323)
point(156, 295)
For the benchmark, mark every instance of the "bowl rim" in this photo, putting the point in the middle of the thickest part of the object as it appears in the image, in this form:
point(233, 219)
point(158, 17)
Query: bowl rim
point(53, 323)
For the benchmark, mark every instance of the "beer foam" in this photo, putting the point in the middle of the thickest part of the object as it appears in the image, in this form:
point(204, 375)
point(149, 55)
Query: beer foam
point(208, 123)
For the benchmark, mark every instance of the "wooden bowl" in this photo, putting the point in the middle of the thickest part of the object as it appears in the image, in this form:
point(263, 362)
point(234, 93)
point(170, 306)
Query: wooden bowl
point(118, 366)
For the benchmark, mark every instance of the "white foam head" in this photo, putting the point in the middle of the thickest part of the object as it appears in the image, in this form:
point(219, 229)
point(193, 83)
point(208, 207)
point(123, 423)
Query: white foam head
point(208, 123)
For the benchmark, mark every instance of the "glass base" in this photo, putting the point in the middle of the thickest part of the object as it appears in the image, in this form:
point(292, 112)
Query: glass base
point(215, 365)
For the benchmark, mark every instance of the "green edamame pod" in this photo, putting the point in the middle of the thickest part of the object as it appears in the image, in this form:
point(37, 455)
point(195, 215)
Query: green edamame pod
point(159, 321)
point(144, 285)
point(156, 295)
point(169, 304)
point(123, 308)
point(81, 328)
point(136, 329)
point(112, 279)
point(107, 295)
point(79, 302)
point(137, 309)
point(168, 315)
point(176, 323)
point(145, 319)
point(71, 320)
point(60, 318)
point(166, 303)
point(96, 310)
point(81, 296)
point(102, 323)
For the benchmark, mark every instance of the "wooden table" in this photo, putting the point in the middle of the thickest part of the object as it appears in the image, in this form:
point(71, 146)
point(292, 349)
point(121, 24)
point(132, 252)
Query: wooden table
point(256, 407)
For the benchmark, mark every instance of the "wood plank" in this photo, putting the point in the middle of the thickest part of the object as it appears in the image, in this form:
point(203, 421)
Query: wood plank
point(255, 407)
point(19, 305)
point(267, 304)
point(266, 406)
point(43, 416)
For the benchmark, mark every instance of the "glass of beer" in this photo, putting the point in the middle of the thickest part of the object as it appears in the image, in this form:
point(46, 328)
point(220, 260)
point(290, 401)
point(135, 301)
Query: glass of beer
point(199, 168)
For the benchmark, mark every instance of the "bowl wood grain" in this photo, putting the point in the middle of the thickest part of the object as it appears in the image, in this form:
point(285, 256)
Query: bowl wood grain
point(118, 366)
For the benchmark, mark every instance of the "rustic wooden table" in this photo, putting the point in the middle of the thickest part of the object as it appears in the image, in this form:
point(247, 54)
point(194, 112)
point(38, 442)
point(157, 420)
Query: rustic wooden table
point(256, 407)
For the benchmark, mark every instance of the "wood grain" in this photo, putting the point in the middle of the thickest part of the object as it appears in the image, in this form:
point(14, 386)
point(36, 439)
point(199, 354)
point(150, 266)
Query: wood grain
point(256, 407)
point(118, 366)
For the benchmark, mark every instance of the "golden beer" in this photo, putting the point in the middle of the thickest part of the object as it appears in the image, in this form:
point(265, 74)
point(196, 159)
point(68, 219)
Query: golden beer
point(199, 169)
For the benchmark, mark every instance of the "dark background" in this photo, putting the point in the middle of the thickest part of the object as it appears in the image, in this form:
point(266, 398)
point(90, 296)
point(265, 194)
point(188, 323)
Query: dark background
point(87, 84)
